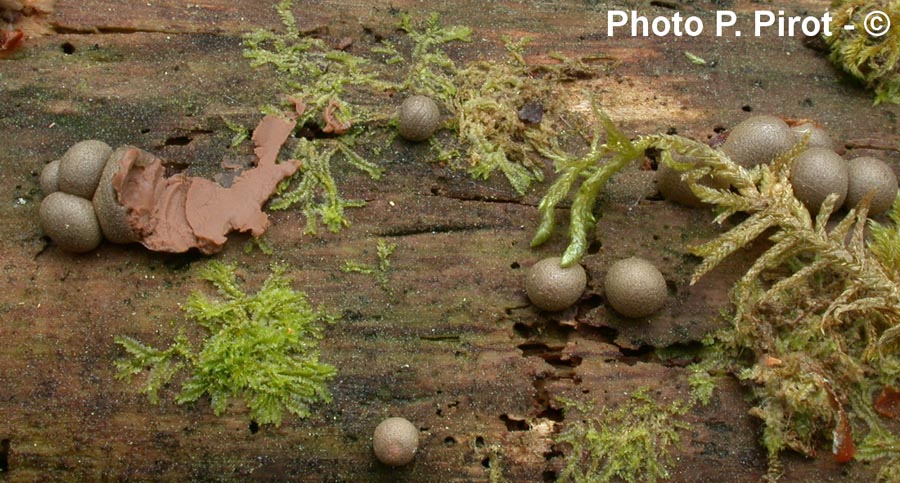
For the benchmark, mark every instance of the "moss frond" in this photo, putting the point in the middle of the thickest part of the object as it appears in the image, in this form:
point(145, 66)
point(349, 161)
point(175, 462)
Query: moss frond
point(261, 348)
point(702, 380)
point(329, 87)
point(885, 243)
point(621, 152)
point(381, 271)
point(314, 189)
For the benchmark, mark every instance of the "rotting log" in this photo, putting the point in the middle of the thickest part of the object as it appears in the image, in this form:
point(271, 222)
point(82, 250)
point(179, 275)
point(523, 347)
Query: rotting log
point(453, 345)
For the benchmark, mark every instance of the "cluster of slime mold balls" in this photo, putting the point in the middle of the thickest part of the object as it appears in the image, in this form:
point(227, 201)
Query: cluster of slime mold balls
point(635, 288)
point(80, 208)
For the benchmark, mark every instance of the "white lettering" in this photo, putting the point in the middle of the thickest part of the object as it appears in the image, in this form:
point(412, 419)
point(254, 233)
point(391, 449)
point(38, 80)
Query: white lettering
point(660, 26)
point(774, 22)
point(615, 18)
point(724, 18)
point(693, 26)
point(760, 23)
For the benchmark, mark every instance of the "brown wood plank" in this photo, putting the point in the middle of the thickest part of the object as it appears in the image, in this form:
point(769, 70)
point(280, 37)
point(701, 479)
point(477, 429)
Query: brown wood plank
point(454, 346)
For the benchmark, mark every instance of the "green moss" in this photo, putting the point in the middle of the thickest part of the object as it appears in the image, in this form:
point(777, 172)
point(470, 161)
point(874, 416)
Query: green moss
point(260, 243)
point(381, 272)
point(702, 381)
point(630, 442)
point(694, 58)
point(241, 133)
point(873, 60)
point(495, 465)
point(312, 72)
point(316, 79)
point(484, 99)
point(880, 444)
point(313, 188)
point(261, 348)
point(596, 168)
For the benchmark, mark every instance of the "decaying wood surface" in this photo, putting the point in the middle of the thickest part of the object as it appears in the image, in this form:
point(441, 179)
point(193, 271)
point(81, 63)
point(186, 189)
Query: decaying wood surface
point(453, 346)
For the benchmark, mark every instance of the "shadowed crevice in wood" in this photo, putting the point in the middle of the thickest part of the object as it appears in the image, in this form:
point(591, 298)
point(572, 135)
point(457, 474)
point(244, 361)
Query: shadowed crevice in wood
point(5, 444)
point(435, 229)
point(103, 30)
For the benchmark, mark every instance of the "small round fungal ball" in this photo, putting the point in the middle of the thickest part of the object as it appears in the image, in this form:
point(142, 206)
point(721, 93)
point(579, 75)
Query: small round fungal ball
point(70, 221)
point(50, 178)
point(635, 287)
point(818, 137)
point(80, 168)
point(868, 174)
point(112, 216)
point(674, 188)
point(758, 140)
point(419, 118)
point(553, 288)
point(395, 441)
point(816, 173)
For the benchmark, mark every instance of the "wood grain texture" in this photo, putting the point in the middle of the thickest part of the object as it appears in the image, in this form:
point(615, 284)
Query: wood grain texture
point(453, 345)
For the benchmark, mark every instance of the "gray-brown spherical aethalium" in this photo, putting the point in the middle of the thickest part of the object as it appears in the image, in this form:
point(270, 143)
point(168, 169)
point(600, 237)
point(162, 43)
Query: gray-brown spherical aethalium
point(81, 167)
point(419, 118)
point(818, 137)
point(395, 441)
point(50, 178)
point(674, 188)
point(112, 216)
point(553, 288)
point(635, 287)
point(758, 140)
point(815, 174)
point(70, 221)
point(871, 174)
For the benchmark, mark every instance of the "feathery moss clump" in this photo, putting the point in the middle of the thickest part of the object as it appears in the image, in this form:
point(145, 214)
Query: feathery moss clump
point(630, 442)
point(316, 80)
point(873, 60)
point(815, 325)
point(485, 99)
point(317, 76)
point(261, 348)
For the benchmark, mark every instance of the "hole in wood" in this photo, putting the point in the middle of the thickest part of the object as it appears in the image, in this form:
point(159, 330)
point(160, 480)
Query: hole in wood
point(4, 455)
point(513, 424)
point(552, 414)
point(178, 141)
